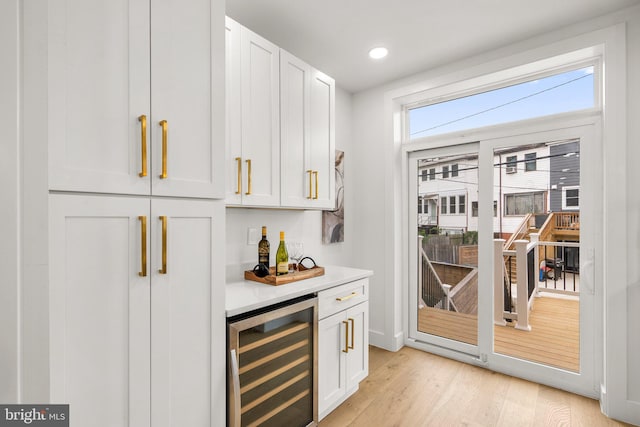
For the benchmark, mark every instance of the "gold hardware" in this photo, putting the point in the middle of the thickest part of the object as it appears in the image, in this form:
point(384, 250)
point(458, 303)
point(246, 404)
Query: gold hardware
point(143, 126)
point(239, 188)
point(163, 270)
point(315, 173)
point(249, 177)
point(353, 332)
point(143, 245)
point(164, 125)
point(346, 336)
point(310, 187)
point(353, 294)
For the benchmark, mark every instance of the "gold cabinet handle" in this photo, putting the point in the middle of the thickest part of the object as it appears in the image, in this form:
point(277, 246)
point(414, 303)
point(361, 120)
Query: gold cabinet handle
point(143, 246)
point(353, 330)
point(165, 126)
point(310, 172)
point(143, 142)
point(248, 177)
point(239, 187)
point(346, 336)
point(163, 270)
point(315, 174)
point(353, 294)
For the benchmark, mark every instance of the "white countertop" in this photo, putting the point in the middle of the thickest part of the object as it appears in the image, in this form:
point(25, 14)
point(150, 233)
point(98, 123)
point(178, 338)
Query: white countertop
point(246, 295)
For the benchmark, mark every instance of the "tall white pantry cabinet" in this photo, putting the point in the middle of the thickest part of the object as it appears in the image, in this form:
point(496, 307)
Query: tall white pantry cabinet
point(129, 127)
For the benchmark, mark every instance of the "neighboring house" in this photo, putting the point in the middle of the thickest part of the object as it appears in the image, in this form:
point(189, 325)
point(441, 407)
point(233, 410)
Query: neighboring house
point(534, 179)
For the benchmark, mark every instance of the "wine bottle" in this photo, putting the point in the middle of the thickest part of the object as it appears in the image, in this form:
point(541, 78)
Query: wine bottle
point(282, 257)
point(263, 248)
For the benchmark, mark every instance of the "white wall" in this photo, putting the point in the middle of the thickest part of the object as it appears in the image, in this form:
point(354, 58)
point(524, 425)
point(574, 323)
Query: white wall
point(304, 226)
point(377, 168)
point(9, 199)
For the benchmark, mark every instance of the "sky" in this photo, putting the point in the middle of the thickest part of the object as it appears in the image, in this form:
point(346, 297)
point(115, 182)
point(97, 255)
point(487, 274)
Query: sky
point(568, 91)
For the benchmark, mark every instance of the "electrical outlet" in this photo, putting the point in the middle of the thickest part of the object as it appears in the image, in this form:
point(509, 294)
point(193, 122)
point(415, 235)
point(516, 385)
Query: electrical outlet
point(252, 236)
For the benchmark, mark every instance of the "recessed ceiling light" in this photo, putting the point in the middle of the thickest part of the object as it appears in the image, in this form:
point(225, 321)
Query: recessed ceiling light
point(378, 52)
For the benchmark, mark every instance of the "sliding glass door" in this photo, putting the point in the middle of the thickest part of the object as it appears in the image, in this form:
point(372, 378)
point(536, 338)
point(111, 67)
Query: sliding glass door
point(501, 249)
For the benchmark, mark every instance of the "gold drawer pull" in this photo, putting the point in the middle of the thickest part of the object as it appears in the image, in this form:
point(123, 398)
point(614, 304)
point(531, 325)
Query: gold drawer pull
point(143, 246)
point(315, 173)
point(346, 336)
point(353, 332)
point(143, 144)
point(248, 193)
point(239, 186)
point(310, 172)
point(353, 294)
point(163, 270)
point(164, 125)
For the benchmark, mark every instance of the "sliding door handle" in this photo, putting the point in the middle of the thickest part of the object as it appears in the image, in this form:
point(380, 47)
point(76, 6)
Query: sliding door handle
point(143, 143)
point(163, 270)
point(143, 246)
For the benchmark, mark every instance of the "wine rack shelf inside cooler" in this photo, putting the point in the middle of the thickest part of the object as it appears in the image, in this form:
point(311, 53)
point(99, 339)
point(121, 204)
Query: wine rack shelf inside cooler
point(276, 375)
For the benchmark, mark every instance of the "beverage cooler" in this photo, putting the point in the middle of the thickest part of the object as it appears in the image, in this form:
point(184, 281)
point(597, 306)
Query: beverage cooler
point(272, 365)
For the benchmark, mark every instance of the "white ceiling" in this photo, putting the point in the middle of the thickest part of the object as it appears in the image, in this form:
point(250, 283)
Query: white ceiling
point(336, 35)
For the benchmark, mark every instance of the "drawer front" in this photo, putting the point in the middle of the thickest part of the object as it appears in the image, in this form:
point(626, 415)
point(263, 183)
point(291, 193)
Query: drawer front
point(341, 297)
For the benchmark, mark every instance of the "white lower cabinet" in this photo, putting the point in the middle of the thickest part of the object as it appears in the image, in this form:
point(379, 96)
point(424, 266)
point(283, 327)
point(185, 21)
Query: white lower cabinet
point(343, 343)
point(134, 310)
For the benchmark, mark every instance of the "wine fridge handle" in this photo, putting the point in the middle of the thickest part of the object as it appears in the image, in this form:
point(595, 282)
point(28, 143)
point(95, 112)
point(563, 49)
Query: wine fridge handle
point(234, 413)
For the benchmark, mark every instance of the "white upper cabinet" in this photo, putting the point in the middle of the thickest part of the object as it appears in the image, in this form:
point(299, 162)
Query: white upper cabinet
point(280, 126)
point(253, 118)
point(307, 103)
point(133, 99)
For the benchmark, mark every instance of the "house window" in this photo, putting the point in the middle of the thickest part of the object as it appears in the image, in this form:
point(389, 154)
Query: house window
point(419, 205)
point(424, 175)
point(445, 172)
point(452, 204)
point(529, 162)
point(454, 170)
point(432, 174)
point(462, 203)
point(512, 164)
point(571, 198)
point(524, 203)
point(474, 208)
point(443, 205)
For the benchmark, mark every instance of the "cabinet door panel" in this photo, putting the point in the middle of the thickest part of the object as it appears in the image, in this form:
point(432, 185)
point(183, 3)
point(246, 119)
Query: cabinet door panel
point(99, 310)
point(331, 362)
point(182, 300)
point(184, 93)
point(234, 114)
point(260, 119)
point(321, 152)
point(358, 357)
point(295, 76)
point(98, 86)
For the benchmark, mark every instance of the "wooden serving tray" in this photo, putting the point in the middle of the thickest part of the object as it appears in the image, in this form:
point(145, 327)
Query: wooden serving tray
point(274, 280)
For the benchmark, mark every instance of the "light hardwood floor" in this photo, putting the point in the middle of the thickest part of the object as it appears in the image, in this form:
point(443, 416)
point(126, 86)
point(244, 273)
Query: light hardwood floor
point(414, 388)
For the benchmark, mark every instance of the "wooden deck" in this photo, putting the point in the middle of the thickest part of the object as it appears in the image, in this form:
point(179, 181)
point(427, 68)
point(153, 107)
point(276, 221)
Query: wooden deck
point(554, 338)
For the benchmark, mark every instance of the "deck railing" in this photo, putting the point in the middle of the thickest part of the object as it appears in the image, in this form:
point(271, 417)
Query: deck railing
point(434, 292)
point(555, 274)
